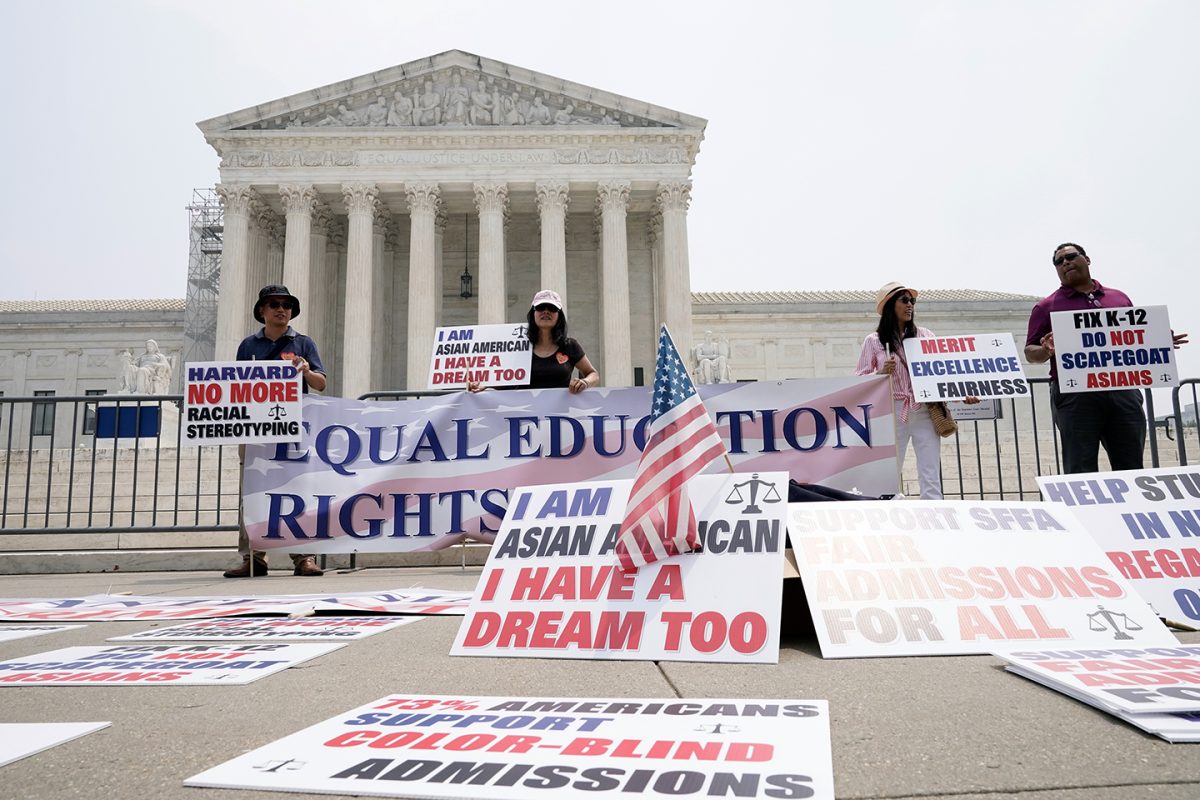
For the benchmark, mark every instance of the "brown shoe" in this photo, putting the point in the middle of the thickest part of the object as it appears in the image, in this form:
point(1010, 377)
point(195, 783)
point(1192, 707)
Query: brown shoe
point(260, 568)
point(308, 566)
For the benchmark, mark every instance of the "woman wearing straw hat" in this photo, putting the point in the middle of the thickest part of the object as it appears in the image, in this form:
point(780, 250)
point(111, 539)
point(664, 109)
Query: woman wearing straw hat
point(895, 304)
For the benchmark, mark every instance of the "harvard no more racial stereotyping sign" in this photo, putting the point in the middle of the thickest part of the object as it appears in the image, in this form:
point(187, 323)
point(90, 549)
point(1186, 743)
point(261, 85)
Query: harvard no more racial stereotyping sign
point(494, 355)
point(983, 365)
point(241, 402)
point(552, 587)
point(306, 629)
point(523, 748)
point(130, 607)
point(424, 474)
point(146, 664)
point(942, 578)
point(1113, 348)
point(1148, 522)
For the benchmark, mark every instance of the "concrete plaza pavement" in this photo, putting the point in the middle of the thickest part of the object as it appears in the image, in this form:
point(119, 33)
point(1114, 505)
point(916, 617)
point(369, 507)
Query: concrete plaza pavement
point(947, 727)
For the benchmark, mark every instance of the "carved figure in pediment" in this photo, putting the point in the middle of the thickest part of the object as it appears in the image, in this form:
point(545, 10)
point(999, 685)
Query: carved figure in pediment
point(482, 105)
point(563, 116)
point(401, 112)
point(344, 118)
point(510, 110)
point(538, 113)
point(457, 102)
point(376, 113)
point(429, 106)
point(607, 120)
point(523, 107)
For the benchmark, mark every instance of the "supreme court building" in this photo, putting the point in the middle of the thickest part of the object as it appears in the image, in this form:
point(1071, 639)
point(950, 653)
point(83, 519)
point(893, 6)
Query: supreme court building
point(447, 191)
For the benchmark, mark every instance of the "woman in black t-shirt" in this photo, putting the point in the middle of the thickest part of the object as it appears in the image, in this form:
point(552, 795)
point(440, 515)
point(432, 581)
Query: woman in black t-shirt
point(555, 355)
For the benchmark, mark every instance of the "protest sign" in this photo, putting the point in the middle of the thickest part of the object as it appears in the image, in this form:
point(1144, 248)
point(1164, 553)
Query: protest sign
point(132, 607)
point(148, 665)
point(10, 632)
point(424, 474)
point(983, 365)
point(513, 748)
point(1132, 679)
point(943, 578)
point(1113, 348)
point(1148, 521)
point(21, 739)
point(241, 402)
point(552, 586)
point(308, 629)
point(493, 355)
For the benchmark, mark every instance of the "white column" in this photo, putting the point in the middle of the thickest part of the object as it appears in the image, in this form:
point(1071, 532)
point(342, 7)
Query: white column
point(234, 295)
point(424, 202)
point(654, 239)
point(318, 296)
point(299, 201)
point(676, 288)
point(359, 335)
point(439, 267)
point(552, 201)
point(381, 269)
point(257, 264)
point(335, 258)
point(614, 284)
point(491, 199)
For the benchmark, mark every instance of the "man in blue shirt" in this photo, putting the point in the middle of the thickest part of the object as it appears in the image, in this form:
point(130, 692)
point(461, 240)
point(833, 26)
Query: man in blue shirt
point(277, 340)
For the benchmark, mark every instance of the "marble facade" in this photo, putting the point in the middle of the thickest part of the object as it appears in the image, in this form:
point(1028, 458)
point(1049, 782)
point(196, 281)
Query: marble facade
point(370, 199)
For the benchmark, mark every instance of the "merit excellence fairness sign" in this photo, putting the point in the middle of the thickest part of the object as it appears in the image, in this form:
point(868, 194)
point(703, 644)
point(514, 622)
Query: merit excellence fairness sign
point(241, 402)
point(552, 587)
point(493, 355)
point(1114, 348)
point(983, 365)
point(424, 474)
point(523, 748)
point(945, 578)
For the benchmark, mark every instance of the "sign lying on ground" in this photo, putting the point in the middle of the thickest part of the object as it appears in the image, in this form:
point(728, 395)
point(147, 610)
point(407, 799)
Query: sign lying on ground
point(129, 607)
point(424, 474)
point(10, 632)
point(494, 355)
point(552, 587)
point(1113, 348)
point(983, 365)
point(146, 664)
point(1148, 522)
point(308, 629)
point(21, 739)
point(515, 748)
point(942, 578)
point(241, 402)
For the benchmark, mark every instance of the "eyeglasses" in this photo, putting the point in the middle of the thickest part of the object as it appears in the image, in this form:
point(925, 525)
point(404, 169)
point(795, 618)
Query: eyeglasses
point(279, 304)
point(1058, 262)
point(545, 307)
point(907, 300)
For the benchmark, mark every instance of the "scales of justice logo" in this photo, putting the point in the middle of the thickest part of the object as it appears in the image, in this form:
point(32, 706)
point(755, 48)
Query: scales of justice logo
point(277, 412)
point(1103, 620)
point(752, 488)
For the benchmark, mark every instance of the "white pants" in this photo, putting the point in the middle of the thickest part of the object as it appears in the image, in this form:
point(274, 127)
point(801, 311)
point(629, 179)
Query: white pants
point(928, 446)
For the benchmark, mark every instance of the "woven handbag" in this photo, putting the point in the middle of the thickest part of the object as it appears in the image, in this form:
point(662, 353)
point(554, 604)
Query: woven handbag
point(943, 422)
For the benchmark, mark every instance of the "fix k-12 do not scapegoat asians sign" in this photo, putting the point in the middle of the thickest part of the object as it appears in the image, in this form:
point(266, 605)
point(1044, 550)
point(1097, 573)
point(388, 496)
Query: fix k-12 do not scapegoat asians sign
point(1101, 349)
point(241, 402)
point(492, 355)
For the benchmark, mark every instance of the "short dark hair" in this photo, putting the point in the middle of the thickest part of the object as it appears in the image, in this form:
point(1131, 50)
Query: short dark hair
point(1078, 247)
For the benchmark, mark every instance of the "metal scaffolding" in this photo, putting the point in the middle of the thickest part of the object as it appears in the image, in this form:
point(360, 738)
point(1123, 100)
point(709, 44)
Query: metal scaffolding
point(205, 234)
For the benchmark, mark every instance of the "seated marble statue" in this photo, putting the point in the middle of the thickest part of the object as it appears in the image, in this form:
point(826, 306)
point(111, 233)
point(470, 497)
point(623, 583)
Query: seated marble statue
point(401, 112)
point(376, 113)
point(712, 365)
point(563, 116)
point(482, 104)
point(148, 373)
point(429, 107)
point(455, 106)
point(345, 117)
point(538, 113)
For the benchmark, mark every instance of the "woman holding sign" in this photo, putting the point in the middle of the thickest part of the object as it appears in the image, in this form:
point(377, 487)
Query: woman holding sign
point(896, 304)
point(556, 356)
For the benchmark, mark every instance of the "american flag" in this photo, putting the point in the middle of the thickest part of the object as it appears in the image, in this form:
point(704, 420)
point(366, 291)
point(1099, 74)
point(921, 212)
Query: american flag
point(659, 520)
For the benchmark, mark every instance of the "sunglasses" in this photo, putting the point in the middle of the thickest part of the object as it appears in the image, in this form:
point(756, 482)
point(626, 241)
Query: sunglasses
point(545, 307)
point(279, 304)
point(1058, 261)
point(907, 300)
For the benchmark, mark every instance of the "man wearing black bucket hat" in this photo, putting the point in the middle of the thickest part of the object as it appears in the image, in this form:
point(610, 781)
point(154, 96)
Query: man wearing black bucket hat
point(277, 340)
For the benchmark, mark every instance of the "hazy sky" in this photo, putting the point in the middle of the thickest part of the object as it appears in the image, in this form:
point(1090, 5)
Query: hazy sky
point(943, 144)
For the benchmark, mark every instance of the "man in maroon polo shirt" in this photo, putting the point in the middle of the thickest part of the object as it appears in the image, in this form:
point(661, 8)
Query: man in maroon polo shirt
point(1087, 420)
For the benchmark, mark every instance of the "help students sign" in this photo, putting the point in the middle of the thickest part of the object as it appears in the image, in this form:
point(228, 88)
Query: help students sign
point(1113, 348)
point(943, 578)
point(983, 365)
point(241, 402)
point(494, 355)
point(551, 587)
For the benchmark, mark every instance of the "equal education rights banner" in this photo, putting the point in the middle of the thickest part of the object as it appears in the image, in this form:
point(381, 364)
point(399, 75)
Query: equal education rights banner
point(424, 474)
point(1113, 348)
point(241, 402)
point(552, 587)
point(946, 578)
point(1148, 522)
point(523, 748)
